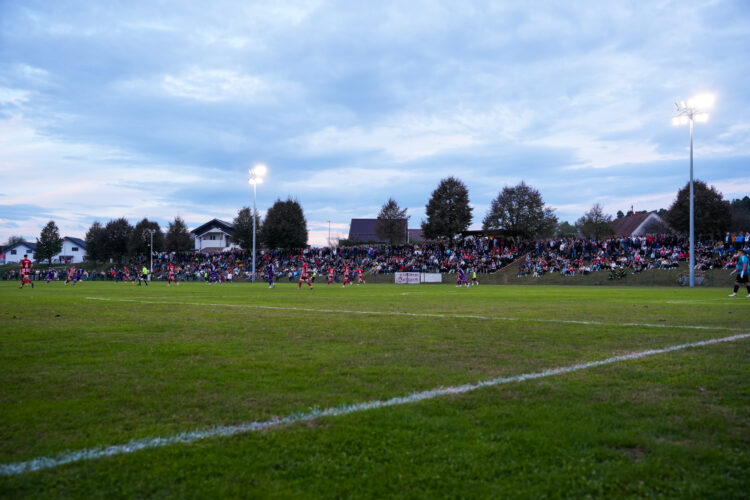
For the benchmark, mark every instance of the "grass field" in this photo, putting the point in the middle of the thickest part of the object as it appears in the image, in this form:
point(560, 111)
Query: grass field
point(104, 364)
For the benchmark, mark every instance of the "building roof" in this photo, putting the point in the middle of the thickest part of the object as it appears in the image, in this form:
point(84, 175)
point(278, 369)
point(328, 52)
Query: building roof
point(363, 230)
point(636, 224)
point(30, 246)
point(219, 224)
point(76, 241)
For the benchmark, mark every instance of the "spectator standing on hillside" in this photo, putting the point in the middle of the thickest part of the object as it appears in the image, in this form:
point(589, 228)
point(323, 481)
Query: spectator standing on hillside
point(743, 268)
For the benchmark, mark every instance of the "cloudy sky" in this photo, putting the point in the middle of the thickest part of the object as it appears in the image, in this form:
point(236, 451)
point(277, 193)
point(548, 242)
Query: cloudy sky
point(157, 109)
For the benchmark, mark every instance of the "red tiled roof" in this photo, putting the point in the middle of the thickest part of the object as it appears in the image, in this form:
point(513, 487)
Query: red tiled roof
point(625, 226)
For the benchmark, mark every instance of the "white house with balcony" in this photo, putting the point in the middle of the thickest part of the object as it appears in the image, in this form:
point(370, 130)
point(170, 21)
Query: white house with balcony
point(214, 235)
point(73, 251)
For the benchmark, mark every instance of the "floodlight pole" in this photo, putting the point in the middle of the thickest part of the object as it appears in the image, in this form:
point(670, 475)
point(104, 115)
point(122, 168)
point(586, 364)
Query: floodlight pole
point(689, 111)
point(692, 210)
point(151, 251)
point(253, 216)
point(256, 177)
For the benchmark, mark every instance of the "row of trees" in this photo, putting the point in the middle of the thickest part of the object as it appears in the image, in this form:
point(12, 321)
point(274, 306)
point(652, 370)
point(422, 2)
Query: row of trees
point(118, 238)
point(520, 211)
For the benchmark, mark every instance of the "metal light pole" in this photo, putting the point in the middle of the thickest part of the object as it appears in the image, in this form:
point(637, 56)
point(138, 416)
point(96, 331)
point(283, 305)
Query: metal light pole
point(687, 112)
point(151, 251)
point(256, 177)
point(329, 235)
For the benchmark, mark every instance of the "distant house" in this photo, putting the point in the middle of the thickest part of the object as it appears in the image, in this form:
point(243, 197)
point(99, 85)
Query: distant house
point(14, 253)
point(639, 224)
point(214, 235)
point(73, 251)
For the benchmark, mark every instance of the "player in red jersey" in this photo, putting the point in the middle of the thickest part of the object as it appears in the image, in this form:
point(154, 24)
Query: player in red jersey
point(171, 278)
point(346, 276)
point(304, 276)
point(126, 271)
point(26, 266)
point(71, 274)
point(331, 275)
point(360, 281)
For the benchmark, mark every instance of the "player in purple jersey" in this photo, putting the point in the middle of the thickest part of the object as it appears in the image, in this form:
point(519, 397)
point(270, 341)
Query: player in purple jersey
point(50, 275)
point(79, 275)
point(461, 278)
point(269, 272)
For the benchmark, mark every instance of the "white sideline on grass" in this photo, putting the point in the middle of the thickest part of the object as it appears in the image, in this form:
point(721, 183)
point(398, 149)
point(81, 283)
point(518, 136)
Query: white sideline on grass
point(418, 315)
point(41, 463)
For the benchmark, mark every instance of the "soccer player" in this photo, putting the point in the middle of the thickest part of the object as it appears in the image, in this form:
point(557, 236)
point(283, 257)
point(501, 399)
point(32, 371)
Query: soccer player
point(269, 272)
point(50, 275)
point(143, 276)
point(71, 274)
point(461, 278)
point(304, 277)
point(346, 276)
point(170, 277)
point(26, 266)
point(360, 281)
point(127, 274)
point(474, 280)
point(743, 269)
point(79, 275)
point(331, 275)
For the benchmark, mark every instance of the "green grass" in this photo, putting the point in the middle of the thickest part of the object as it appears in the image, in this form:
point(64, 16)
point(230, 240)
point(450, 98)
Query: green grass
point(155, 361)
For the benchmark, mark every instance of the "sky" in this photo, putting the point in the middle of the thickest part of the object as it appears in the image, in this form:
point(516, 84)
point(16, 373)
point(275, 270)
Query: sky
point(158, 109)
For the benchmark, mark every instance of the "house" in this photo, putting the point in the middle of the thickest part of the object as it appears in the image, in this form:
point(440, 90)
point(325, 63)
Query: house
point(73, 251)
point(214, 235)
point(639, 224)
point(14, 253)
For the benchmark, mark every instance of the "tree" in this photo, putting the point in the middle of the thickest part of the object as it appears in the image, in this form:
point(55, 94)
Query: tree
point(12, 240)
point(741, 214)
point(49, 243)
point(242, 234)
point(566, 230)
point(140, 240)
point(117, 235)
point(392, 225)
point(595, 223)
point(620, 215)
point(521, 212)
point(448, 211)
point(178, 237)
point(713, 215)
point(96, 239)
point(285, 226)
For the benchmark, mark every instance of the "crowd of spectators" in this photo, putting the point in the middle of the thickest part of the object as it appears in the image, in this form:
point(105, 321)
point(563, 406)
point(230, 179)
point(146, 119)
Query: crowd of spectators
point(619, 256)
point(484, 255)
point(567, 256)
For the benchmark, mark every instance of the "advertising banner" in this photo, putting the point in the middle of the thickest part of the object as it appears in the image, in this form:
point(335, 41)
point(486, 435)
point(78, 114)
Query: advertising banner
point(407, 278)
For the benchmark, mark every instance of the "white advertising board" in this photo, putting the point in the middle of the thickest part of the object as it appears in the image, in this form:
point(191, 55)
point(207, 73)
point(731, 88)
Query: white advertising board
point(432, 278)
point(407, 278)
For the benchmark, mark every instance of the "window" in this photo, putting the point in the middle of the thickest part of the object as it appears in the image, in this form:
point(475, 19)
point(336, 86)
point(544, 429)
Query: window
point(74, 249)
point(12, 252)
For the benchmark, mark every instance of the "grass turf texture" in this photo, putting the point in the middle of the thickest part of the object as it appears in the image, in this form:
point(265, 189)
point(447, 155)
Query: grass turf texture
point(79, 373)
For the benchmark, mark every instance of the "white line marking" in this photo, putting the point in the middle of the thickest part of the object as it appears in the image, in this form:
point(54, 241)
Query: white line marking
point(412, 314)
point(41, 463)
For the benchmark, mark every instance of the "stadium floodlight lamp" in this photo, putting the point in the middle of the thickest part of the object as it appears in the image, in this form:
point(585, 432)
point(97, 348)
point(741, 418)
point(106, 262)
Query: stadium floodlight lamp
point(694, 110)
point(256, 177)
